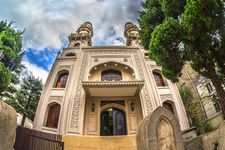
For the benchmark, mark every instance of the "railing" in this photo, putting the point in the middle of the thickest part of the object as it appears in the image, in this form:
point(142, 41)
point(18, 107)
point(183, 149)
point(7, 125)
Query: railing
point(28, 139)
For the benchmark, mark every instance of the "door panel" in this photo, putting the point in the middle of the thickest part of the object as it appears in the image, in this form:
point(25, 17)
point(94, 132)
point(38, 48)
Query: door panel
point(119, 124)
point(113, 122)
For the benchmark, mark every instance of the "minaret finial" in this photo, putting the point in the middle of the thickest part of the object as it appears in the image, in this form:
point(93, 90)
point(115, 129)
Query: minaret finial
point(82, 37)
point(131, 33)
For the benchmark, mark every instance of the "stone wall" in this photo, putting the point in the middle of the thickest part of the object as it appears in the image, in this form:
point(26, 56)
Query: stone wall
point(73, 142)
point(7, 126)
point(211, 141)
point(160, 130)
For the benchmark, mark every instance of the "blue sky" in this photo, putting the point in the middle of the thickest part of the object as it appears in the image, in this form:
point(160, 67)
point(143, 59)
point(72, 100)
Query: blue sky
point(48, 23)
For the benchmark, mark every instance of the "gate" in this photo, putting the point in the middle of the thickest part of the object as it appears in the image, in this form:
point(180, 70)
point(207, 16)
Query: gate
point(28, 139)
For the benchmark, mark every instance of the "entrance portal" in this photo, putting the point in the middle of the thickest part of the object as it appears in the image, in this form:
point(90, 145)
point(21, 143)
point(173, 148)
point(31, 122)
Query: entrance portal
point(113, 122)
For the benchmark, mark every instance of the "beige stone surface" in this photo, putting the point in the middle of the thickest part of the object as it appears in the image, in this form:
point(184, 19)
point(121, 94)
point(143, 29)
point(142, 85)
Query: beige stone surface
point(159, 131)
point(99, 143)
point(85, 67)
point(211, 141)
point(7, 126)
point(215, 139)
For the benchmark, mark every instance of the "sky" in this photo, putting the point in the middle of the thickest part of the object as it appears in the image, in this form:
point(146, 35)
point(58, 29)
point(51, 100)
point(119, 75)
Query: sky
point(48, 23)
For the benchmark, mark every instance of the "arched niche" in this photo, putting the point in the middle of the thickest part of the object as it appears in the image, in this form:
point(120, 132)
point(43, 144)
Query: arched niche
point(165, 135)
point(61, 79)
point(95, 73)
point(159, 79)
point(52, 115)
point(151, 132)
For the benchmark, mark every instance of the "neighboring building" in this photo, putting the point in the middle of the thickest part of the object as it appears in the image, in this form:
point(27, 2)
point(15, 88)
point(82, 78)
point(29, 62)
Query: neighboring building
point(203, 92)
point(104, 90)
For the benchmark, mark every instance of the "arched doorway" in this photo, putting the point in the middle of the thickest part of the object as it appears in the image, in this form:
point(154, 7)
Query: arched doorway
point(113, 122)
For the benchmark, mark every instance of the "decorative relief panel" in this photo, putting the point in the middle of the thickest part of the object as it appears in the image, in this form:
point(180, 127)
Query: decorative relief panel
point(166, 97)
point(55, 98)
point(147, 97)
point(76, 104)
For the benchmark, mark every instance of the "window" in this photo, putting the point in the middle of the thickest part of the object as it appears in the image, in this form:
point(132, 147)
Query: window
point(77, 45)
point(209, 87)
point(113, 122)
point(159, 79)
point(53, 116)
point(168, 106)
point(111, 75)
point(62, 79)
point(70, 54)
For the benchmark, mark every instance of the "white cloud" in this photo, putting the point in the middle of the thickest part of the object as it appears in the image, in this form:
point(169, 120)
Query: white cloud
point(47, 20)
point(37, 71)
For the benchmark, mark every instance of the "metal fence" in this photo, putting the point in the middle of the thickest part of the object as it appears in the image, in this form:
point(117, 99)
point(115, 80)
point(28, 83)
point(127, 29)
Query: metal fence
point(28, 139)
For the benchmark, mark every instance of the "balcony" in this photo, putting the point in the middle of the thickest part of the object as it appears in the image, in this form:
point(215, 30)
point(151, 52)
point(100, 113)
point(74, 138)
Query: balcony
point(112, 88)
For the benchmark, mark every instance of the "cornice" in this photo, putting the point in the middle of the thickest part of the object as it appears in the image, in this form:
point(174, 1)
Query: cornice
point(104, 48)
point(112, 83)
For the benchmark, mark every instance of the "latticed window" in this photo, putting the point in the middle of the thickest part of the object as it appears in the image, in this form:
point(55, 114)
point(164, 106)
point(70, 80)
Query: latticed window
point(62, 79)
point(111, 75)
point(53, 116)
point(159, 79)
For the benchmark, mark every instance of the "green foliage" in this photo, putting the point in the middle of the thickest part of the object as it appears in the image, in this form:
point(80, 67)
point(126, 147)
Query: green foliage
point(192, 109)
point(190, 106)
point(27, 97)
point(203, 127)
point(4, 76)
point(204, 24)
point(195, 33)
point(165, 47)
point(172, 8)
point(149, 19)
point(10, 53)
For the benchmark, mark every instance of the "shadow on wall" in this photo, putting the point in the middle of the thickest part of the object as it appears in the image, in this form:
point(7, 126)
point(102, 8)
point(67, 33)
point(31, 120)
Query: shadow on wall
point(160, 130)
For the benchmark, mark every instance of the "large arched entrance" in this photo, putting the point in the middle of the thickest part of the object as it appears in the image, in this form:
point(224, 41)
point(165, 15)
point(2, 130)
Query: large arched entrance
point(113, 122)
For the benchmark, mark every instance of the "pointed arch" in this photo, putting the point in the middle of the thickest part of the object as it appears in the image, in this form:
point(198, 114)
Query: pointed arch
point(53, 112)
point(159, 80)
point(62, 78)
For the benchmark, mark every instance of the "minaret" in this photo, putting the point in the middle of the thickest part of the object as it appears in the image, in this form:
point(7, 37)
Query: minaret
point(82, 37)
point(131, 33)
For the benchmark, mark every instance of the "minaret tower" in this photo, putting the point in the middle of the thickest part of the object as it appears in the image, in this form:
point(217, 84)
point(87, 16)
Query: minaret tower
point(82, 37)
point(131, 33)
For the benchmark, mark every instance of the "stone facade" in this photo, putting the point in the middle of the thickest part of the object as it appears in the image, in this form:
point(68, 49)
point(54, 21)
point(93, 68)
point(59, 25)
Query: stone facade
point(86, 95)
point(160, 130)
point(202, 91)
point(210, 141)
point(7, 126)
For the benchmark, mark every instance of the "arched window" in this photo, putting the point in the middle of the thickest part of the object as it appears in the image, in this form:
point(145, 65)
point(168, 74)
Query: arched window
point(169, 106)
point(111, 75)
point(77, 45)
point(53, 116)
point(113, 122)
point(70, 54)
point(159, 79)
point(62, 79)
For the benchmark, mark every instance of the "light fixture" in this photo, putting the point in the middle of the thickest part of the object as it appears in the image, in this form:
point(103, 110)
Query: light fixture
point(93, 107)
point(132, 106)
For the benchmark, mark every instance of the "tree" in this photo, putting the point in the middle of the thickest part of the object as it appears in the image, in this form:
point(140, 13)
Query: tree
point(10, 53)
point(27, 97)
point(192, 111)
point(195, 34)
